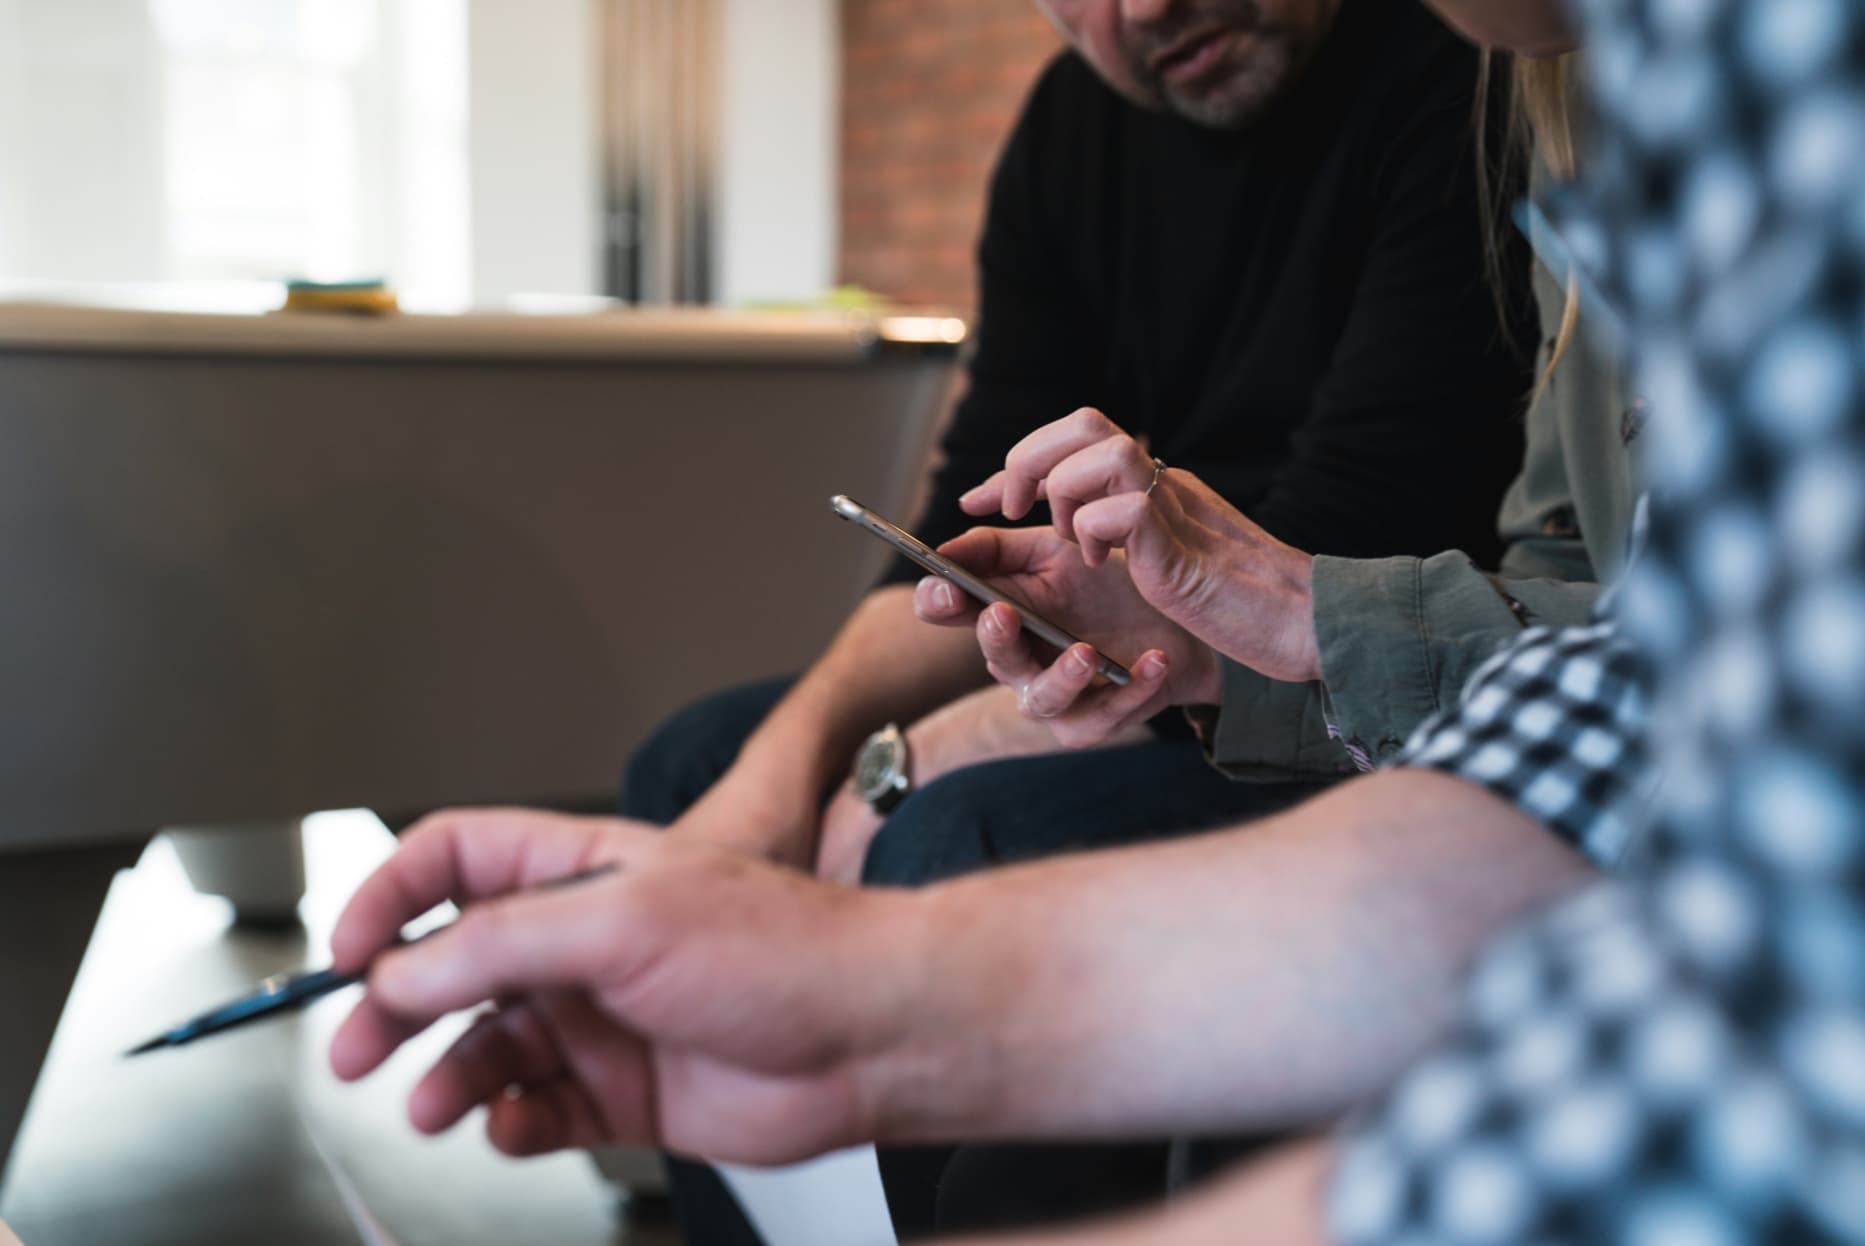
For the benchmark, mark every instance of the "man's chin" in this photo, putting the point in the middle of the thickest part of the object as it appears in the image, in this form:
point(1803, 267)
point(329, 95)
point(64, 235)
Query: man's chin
point(1235, 100)
point(1228, 109)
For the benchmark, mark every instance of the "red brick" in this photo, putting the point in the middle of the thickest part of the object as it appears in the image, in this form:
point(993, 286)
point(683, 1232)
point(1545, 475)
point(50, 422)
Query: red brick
point(928, 98)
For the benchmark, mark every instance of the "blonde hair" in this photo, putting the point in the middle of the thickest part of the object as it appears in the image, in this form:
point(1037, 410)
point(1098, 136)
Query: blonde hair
point(1539, 123)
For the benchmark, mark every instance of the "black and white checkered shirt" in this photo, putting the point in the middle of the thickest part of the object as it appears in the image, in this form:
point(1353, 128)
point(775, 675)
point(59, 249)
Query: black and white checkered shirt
point(1555, 723)
point(1677, 1058)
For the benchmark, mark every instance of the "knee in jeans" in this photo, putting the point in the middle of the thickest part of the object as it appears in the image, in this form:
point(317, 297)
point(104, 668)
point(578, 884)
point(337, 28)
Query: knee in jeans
point(936, 833)
point(651, 781)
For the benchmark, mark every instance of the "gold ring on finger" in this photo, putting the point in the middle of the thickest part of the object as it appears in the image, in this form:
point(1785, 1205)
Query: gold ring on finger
point(1159, 469)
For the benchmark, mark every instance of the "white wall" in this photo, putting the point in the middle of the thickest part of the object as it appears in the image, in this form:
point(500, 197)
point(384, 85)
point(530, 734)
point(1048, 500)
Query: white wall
point(432, 226)
point(532, 150)
point(12, 105)
point(775, 228)
point(80, 141)
point(81, 148)
point(102, 171)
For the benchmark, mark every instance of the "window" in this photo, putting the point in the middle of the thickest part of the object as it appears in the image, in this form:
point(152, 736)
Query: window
point(236, 141)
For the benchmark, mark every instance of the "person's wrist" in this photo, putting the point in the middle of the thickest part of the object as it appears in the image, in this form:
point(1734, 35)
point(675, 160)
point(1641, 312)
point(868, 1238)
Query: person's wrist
point(929, 753)
point(756, 813)
point(955, 735)
point(1284, 647)
point(928, 1072)
point(951, 1064)
point(1204, 677)
point(1306, 659)
point(782, 843)
point(902, 1070)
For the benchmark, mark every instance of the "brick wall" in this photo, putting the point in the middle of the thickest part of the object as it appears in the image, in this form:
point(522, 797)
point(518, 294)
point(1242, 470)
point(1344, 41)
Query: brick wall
point(929, 91)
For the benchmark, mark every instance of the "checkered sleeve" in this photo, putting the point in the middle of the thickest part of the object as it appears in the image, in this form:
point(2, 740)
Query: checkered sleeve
point(1555, 724)
point(1677, 1057)
point(1601, 1089)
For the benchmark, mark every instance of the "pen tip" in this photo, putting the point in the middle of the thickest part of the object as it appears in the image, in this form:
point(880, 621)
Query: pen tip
point(151, 1045)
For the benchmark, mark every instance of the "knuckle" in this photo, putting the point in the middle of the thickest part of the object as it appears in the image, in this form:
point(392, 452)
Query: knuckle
point(479, 932)
point(1133, 455)
point(435, 826)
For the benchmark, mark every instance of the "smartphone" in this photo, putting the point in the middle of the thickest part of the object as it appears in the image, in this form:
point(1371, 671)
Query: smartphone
point(945, 568)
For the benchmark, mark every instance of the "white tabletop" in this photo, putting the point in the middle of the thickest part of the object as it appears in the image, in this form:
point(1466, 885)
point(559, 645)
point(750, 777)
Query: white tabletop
point(249, 1137)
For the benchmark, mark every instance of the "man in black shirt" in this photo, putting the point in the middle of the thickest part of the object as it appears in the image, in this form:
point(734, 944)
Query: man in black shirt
point(1249, 231)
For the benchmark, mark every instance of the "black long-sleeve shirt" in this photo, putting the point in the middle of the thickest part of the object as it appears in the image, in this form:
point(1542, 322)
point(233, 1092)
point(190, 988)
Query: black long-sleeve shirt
point(1299, 312)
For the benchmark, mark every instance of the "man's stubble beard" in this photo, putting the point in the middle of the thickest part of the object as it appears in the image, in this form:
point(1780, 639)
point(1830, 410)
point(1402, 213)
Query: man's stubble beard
point(1242, 96)
point(1248, 89)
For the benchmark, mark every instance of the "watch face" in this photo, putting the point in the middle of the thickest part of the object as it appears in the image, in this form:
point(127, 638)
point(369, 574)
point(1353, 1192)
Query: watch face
point(876, 765)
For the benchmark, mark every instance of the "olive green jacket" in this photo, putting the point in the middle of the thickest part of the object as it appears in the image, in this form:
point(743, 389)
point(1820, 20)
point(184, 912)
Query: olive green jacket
point(1399, 636)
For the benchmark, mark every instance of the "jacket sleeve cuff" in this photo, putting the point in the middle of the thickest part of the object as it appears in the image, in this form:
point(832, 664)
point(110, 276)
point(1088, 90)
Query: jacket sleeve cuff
point(1397, 637)
point(1269, 731)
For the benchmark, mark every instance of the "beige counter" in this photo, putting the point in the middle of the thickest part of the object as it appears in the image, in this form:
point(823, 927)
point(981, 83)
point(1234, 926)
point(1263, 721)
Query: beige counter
point(261, 565)
point(670, 335)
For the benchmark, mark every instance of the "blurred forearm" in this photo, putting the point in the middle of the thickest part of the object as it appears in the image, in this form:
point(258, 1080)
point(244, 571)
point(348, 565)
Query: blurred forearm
point(1254, 978)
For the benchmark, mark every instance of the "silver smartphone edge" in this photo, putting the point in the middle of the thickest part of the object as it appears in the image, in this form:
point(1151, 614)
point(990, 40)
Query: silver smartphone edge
point(925, 556)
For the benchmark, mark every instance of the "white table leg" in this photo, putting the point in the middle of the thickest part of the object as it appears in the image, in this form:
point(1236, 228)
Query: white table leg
point(259, 866)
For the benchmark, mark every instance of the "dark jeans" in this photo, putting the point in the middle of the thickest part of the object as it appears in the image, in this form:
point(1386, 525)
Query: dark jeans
point(984, 815)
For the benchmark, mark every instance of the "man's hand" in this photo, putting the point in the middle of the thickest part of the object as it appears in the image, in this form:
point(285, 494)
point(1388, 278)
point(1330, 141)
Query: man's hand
point(1196, 558)
point(1100, 604)
point(849, 825)
point(697, 1000)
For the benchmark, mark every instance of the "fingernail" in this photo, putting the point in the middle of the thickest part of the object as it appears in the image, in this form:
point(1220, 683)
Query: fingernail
point(1153, 667)
point(1082, 658)
point(945, 596)
point(994, 622)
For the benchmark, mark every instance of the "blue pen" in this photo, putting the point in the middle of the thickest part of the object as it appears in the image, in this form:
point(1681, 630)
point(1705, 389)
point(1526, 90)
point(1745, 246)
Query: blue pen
point(287, 992)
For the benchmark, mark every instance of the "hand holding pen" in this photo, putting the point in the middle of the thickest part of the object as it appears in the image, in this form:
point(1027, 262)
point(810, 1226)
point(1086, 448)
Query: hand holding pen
point(692, 998)
point(289, 992)
point(697, 999)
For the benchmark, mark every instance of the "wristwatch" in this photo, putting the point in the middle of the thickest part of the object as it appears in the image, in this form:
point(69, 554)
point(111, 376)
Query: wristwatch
point(880, 773)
